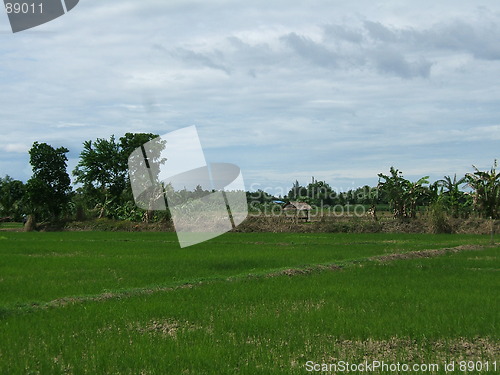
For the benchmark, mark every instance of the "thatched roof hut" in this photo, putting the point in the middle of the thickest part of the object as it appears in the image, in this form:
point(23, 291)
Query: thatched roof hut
point(301, 210)
point(299, 206)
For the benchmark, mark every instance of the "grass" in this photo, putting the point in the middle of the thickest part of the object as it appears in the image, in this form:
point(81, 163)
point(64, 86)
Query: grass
point(11, 225)
point(239, 312)
point(36, 268)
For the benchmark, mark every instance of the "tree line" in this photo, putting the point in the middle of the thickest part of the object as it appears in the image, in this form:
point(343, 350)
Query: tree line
point(103, 188)
point(476, 193)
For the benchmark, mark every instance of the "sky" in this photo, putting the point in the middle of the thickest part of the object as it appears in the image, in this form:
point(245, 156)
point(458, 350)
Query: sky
point(287, 90)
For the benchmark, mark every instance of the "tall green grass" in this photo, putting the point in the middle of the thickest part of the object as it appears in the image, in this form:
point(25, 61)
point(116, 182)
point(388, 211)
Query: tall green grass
point(36, 268)
point(412, 310)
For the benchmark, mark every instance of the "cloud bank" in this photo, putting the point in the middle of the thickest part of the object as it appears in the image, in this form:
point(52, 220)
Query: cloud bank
point(336, 91)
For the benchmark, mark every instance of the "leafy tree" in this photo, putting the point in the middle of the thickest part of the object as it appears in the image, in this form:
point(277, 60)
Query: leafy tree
point(486, 186)
point(259, 196)
point(48, 190)
point(319, 192)
point(11, 197)
point(128, 144)
point(342, 199)
point(131, 141)
point(297, 192)
point(365, 195)
point(103, 171)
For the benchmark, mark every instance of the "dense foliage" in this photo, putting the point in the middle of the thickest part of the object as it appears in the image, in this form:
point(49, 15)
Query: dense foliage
point(486, 187)
point(48, 190)
point(103, 173)
point(12, 193)
point(402, 194)
point(103, 189)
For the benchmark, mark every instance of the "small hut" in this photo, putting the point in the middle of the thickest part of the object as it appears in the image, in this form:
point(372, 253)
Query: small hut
point(301, 209)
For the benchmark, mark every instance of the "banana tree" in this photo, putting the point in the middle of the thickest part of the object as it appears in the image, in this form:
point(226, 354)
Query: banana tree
point(452, 196)
point(486, 186)
point(402, 194)
point(415, 191)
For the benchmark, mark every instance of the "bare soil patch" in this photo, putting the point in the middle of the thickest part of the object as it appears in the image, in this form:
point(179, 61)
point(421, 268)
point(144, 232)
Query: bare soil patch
point(427, 253)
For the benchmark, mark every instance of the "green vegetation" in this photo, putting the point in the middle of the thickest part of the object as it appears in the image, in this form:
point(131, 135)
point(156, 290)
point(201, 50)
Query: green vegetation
point(105, 190)
point(452, 199)
point(403, 195)
point(48, 190)
point(256, 303)
point(11, 198)
point(486, 186)
point(11, 225)
point(103, 171)
point(39, 267)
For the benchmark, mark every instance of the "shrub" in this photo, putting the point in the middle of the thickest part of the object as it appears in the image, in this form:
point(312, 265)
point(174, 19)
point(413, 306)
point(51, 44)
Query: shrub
point(438, 220)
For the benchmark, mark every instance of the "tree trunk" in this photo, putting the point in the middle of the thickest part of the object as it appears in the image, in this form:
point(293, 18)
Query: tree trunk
point(101, 213)
point(30, 224)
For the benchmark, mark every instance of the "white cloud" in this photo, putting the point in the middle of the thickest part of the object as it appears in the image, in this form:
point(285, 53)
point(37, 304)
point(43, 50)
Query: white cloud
point(18, 148)
point(63, 125)
point(324, 88)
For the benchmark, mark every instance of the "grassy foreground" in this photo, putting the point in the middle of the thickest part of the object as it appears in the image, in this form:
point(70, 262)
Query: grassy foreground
point(132, 303)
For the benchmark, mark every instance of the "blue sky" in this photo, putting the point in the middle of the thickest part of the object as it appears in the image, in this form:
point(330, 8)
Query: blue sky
point(286, 90)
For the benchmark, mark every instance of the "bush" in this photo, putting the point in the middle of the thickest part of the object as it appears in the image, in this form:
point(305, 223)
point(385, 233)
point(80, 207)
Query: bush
point(438, 219)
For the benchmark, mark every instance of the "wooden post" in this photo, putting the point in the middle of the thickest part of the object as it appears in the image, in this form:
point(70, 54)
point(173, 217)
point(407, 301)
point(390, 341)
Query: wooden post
point(492, 230)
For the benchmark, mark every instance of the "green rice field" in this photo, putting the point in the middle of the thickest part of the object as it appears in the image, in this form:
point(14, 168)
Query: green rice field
point(248, 303)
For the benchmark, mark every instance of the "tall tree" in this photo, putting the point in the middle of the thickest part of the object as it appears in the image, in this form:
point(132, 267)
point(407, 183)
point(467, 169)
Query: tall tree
point(11, 196)
point(103, 169)
point(132, 141)
point(137, 165)
point(48, 190)
point(319, 192)
point(297, 192)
